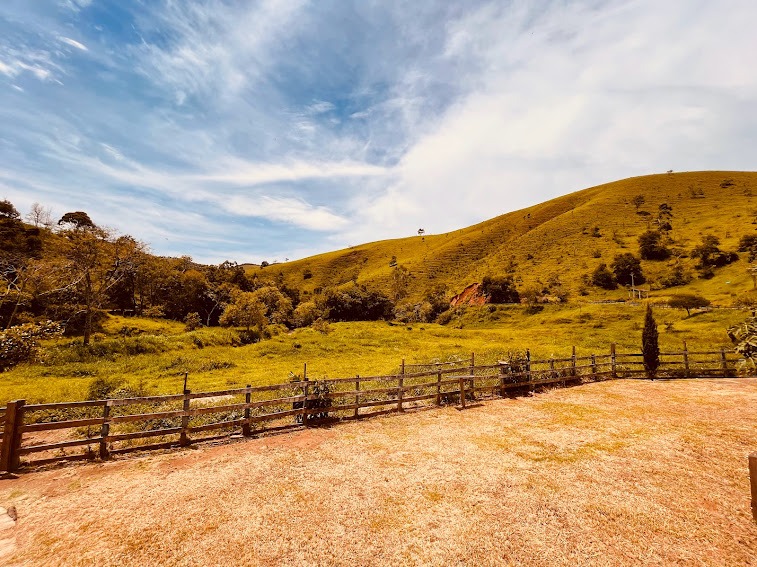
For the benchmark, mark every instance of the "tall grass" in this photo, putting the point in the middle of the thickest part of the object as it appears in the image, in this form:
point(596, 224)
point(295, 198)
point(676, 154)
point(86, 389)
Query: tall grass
point(213, 358)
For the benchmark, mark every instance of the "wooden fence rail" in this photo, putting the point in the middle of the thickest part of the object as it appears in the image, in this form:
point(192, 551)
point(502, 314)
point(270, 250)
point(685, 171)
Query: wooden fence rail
point(107, 427)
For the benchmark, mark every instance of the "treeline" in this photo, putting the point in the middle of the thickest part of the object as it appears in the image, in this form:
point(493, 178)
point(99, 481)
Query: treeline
point(72, 271)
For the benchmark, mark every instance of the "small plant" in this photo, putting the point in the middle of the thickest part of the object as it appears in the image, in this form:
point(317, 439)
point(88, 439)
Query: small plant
point(192, 322)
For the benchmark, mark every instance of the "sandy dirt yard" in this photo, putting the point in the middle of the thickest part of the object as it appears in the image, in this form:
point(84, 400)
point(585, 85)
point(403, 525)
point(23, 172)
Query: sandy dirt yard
point(613, 473)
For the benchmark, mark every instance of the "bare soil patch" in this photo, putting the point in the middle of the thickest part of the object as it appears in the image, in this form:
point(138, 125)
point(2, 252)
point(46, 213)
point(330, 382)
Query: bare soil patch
point(613, 473)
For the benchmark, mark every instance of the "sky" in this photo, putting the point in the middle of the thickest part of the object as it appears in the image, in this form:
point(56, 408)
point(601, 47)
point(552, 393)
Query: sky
point(277, 129)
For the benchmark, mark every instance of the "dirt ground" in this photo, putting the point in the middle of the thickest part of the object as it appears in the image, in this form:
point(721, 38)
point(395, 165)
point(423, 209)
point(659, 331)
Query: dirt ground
point(613, 473)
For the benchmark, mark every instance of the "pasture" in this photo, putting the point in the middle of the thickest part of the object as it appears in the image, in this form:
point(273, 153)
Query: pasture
point(150, 357)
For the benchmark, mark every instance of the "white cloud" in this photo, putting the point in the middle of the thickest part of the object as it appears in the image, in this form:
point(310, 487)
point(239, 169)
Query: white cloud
point(73, 43)
point(289, 210)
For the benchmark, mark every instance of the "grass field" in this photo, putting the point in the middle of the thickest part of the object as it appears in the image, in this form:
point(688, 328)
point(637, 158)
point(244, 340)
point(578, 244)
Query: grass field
point(154, 358)
point(614, 473)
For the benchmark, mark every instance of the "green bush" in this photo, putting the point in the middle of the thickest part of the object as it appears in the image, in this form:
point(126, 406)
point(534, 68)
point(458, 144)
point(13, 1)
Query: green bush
point(19, 344)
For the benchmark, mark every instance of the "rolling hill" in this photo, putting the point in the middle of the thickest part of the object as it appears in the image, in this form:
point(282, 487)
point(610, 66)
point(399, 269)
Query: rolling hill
point(560, 240)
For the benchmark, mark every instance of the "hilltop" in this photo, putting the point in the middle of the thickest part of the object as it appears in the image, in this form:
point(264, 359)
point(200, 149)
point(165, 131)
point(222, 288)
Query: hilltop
point(557, 243)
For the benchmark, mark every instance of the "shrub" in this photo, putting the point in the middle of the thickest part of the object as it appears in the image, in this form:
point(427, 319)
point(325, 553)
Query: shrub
point(651, 246)
point(710, 255)
point(675, 277)
point(305, 314)
point(19, 344)
point(748, 243)
point(500, 289)
point(604, 278)
point(192, 321)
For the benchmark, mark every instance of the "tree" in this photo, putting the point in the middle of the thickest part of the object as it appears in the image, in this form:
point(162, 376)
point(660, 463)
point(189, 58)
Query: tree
point(604, 278)
point(627, 269)
point(78, 220)
point(40, 216)
point(710, 255)
point(650, 346)
point(651, 246)
point(95, 262)
point(748, 243)
point(688, 301)
point(665, 217)
point(245, 310)
point(500, 289)
point(7, 210)
point(638, 201)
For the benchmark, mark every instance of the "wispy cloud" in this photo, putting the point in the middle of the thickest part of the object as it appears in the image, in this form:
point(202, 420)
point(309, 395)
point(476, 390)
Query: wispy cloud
point(273, 128)
point(73, 43)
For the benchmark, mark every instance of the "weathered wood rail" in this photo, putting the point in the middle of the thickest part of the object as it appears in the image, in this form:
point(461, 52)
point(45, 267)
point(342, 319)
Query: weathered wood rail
point(31, 433)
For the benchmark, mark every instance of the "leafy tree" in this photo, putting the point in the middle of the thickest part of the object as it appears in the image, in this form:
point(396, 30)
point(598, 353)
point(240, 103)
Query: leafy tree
point(627, 269)
point(710, 255)
point(650, 346)
point(278, 307)
point(78, 220)
point(651, 246)
point(665, 217)
point(305, 314)
point(244, 310)
point(356, 303)
point(192, 321)
point(688, 301)
point(500, 289)
point(95, 263)
point(604, 278)
point(7, 210)
point(748, 243)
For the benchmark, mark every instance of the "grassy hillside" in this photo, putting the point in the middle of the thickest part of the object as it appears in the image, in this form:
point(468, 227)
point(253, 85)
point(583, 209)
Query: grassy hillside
point(557, 239)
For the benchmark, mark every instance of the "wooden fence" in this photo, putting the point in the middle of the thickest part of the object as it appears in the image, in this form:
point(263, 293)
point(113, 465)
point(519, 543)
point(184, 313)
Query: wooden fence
point(35, 434)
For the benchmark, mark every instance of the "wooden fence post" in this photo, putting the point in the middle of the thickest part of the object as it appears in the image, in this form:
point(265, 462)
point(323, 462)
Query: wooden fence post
point(105, 431)
point(184, 438)
point(246, 428)
point(593, 367)
point(400, 391)
point(357, 396)
point(612, 360)
point(502, 380)
point(724, 363)
point(462, 392)
point(472, 372)
point(305, 389)
point(402, 366)
point(438, 388)
point(753, 482)
point(573, 363)
point(14, 418)
point(685, 360)
point(528, 365)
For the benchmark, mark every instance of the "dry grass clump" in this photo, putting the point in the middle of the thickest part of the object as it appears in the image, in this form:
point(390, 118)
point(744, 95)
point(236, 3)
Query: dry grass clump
point(611, 473)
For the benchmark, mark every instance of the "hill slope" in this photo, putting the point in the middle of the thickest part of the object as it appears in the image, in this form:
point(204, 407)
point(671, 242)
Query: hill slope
point(556, 239)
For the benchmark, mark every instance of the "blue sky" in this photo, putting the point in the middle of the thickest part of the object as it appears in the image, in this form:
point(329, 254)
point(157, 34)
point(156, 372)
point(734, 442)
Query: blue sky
point(273, 129)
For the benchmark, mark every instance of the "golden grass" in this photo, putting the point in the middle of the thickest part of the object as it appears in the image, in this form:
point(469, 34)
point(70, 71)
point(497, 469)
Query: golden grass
point(612, 473)
point(364, 348)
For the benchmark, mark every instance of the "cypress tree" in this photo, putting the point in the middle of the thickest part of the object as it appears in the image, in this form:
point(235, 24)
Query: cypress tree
point(650, 347)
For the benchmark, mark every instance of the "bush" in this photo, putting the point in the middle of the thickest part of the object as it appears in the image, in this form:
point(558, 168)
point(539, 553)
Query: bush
point(675, 277)
point(651, 246)
point(19, 344)
point(192, 321)
point(604, 278)
point(500, 289)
